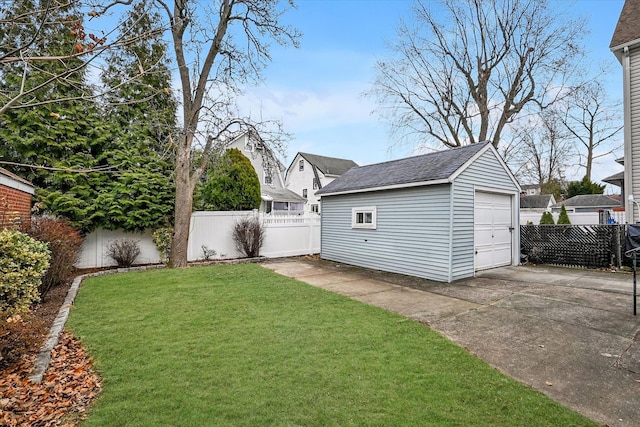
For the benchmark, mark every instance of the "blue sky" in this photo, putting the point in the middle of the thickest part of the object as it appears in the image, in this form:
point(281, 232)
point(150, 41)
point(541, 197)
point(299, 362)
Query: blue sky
point(316, 90)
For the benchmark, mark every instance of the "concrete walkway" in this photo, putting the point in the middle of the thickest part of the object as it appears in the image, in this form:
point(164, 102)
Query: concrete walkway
point(570, 334)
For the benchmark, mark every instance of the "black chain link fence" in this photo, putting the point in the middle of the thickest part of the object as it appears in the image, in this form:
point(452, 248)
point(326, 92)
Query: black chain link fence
point(594, 246)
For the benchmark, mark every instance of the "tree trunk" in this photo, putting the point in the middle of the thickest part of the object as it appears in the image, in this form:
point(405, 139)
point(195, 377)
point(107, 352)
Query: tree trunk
point(184, 201)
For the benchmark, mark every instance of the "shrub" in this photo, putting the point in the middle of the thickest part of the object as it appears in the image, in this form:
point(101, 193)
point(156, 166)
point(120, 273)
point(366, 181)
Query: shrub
point(547, 219)
point(64, 243)
point(248, 235)
point(124, 252)
point(208, 253)
point(162, 239)
point(23, 262)
point(564, 217)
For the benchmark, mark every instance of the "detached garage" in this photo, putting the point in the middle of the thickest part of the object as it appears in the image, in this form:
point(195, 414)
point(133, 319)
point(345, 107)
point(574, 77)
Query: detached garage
point(441, 216)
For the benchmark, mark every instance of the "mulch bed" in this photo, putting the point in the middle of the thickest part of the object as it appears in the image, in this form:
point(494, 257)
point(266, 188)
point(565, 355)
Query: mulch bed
point(69, 385)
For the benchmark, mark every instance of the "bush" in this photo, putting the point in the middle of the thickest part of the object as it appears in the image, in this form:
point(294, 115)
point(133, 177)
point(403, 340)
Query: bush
point(64, 243)
point(547, 219)
point(248, 235)
point(162, 239)
point(124, 252)
point(23, 262)
point(564, 217)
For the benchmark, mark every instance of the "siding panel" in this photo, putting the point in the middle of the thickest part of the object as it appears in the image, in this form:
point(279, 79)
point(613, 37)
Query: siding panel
point(412, 234)
point(634, 120)
point(486, 171)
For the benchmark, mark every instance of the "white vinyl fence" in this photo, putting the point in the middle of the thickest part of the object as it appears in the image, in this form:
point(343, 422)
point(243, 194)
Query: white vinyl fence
point(576, 218)
point(288, 235)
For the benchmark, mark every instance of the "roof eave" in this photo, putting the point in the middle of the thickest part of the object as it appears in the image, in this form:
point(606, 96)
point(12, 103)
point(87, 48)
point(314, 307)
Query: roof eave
point(388, 187)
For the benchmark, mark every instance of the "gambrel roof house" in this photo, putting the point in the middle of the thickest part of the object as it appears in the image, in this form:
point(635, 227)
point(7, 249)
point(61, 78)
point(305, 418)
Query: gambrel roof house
point(441, 216)
point(275, 197)
point(308, 173)
point(15, 198)
point(625, 45)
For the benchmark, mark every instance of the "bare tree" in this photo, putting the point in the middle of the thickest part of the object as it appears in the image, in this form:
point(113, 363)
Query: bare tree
point(468, 68)
point(592, 121)
point(541, 152)
point(217, 47)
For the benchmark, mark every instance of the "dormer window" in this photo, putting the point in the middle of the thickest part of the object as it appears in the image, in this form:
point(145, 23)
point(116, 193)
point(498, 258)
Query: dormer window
point(301, 165)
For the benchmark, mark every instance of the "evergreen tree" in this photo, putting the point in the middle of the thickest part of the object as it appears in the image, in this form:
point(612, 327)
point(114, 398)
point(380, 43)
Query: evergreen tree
point(231, 185)
point(585, 186)
point(57, 137)
point(564, 217)
point(142, 114)
point(547, 219)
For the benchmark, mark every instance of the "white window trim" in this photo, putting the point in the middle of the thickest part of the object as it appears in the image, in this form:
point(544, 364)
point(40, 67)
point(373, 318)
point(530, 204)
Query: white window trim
point(364, 210)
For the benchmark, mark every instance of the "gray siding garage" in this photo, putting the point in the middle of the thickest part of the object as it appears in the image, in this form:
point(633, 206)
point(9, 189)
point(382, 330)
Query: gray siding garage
point(441, 216)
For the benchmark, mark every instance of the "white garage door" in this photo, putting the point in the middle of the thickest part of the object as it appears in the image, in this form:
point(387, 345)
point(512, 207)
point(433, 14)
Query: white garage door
point(492, 230)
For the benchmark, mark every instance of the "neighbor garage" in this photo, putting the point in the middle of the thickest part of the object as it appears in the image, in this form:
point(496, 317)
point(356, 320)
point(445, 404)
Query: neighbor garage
point(442, 216)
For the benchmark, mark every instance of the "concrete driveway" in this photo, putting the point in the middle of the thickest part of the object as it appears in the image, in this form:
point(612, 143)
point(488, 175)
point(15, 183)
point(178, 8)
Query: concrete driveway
point(570, 334)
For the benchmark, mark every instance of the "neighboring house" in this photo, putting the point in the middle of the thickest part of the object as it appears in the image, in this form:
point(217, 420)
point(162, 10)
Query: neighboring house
point(537, 204)
point(442, 216)
point(15, 199)
point(275, 197)
point(617, 179)
point(531, 189)
point(588, 203)
point(310, 172)
point(625, 45)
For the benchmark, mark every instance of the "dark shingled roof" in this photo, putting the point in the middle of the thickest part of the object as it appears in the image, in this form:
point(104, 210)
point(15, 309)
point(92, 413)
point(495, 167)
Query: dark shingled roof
point(283, 195)
point(615, 179)
point(428, 167)
point(329, 165)
point(535, 202)
point(589, 201)
point(627, 29)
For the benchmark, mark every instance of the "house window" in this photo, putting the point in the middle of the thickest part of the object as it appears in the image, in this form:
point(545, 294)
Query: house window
point(301, 165)
point(364, 217)
point(304, 193)
point(268, 176)
point(314, 208)
point(315, 184)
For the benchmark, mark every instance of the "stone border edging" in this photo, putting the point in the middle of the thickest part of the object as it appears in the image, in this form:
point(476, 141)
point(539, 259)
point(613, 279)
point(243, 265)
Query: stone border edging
point(41, 364)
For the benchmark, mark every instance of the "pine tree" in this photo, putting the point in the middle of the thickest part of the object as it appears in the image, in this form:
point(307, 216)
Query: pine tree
point(564, 217)
point(585, 186)
point(546, 219)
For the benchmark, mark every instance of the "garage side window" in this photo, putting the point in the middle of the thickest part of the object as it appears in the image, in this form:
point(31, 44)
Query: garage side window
point(364, 217)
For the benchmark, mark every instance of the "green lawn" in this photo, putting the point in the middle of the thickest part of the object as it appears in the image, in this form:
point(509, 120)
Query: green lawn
point(242, 346)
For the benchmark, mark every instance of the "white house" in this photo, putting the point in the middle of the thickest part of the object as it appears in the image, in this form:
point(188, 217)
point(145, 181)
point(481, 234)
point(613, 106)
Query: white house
point(442, 216)
point(276, 198)
point(308, 173)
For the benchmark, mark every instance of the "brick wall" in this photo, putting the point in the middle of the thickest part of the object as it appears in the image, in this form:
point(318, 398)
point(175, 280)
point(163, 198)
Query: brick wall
point(15, 206)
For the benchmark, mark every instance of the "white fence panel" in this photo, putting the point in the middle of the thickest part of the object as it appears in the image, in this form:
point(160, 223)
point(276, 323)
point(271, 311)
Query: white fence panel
point(213, 230)
point(93, 252)
point(286, 235)
point(576, 218)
